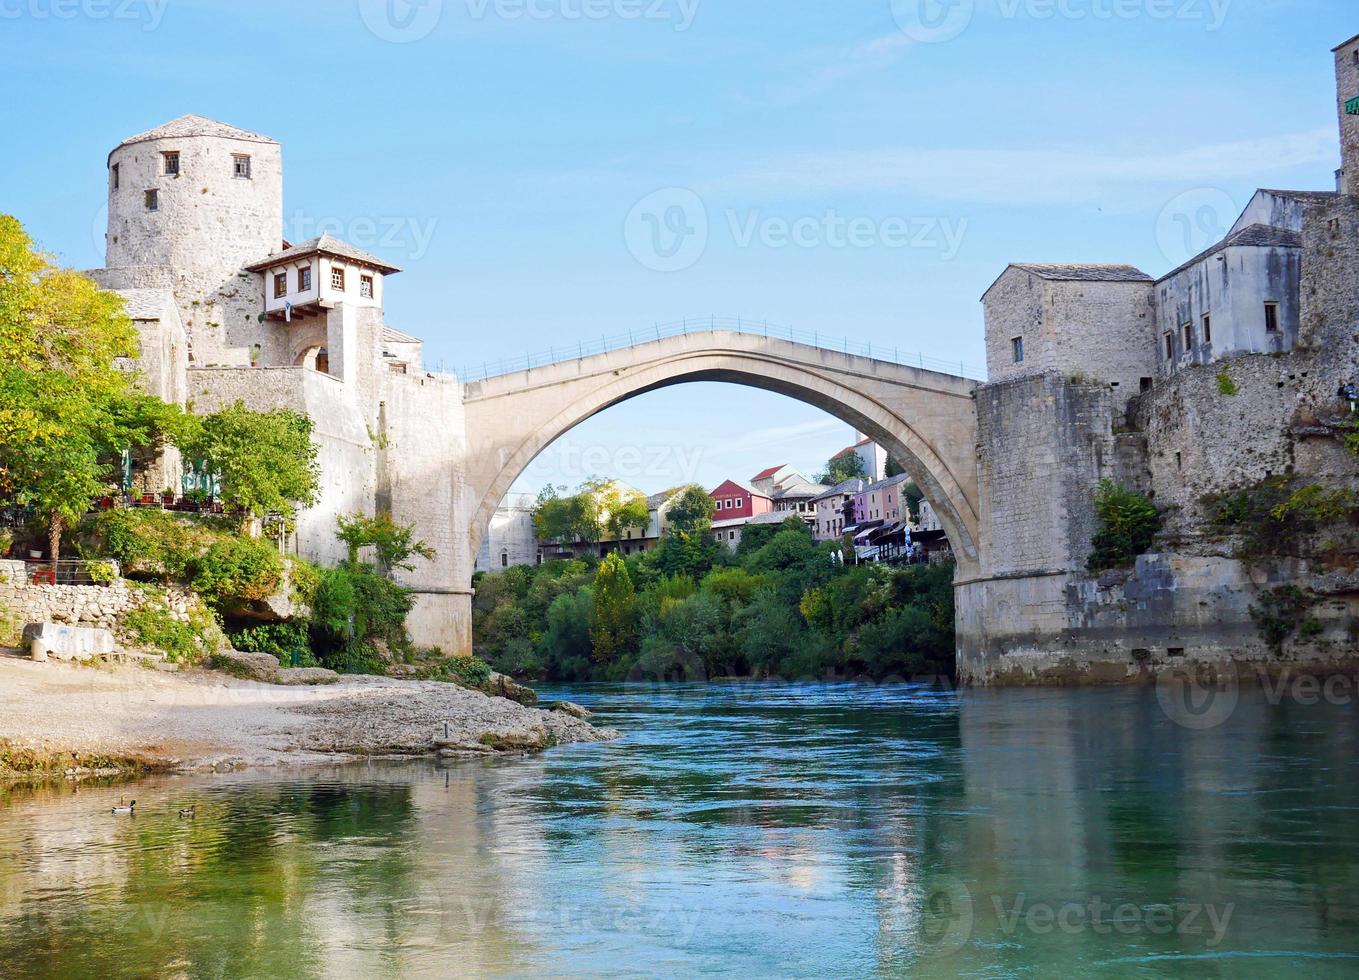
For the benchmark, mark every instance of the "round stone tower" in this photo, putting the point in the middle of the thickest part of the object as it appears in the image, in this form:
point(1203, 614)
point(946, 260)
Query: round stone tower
point(190, 204)
point(194, 194)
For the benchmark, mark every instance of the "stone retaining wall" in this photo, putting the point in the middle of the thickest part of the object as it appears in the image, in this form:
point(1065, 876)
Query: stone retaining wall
point(75, 605)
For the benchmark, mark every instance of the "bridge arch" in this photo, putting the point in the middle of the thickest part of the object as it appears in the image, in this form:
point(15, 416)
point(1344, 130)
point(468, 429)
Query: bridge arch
point(924, 419)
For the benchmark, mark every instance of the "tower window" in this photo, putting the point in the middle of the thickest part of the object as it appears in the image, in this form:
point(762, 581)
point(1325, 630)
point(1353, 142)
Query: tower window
point(280, 285)
point(152, 199)
point(1207, 322)
point(1271, 318)
point(304, 279)
point(240, 166)
point(337, 279)
point(1017, 349)
point(171, 163)
point(114, 177)
point(366, 287)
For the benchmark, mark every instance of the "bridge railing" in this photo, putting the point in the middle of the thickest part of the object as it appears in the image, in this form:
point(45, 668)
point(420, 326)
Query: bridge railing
point(713, 324)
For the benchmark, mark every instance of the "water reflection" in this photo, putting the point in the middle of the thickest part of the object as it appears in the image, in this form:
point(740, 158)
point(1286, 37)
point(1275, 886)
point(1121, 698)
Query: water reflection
point(753, 830)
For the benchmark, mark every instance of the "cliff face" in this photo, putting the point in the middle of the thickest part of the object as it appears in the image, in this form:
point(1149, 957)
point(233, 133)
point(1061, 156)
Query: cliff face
point(1257, 563)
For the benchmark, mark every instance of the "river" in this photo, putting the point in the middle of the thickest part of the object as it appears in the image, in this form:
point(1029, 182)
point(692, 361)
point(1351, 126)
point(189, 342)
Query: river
point(744, 829)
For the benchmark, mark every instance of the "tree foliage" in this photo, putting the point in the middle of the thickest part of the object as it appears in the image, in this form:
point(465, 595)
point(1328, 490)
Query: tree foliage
point(614, 629)
point(67, 406)
point(396, 544)
point(266, 460)
point(1127, 526)
point(691, 510)
point(844, 465)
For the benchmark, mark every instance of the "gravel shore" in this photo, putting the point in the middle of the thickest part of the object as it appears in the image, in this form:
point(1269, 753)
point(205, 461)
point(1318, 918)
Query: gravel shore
point(195, 720)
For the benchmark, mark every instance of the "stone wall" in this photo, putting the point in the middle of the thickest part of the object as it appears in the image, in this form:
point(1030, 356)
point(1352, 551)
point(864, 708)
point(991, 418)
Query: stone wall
point(1043, 443)
point(75, 605)
point(1042, 446)
point(421, 480)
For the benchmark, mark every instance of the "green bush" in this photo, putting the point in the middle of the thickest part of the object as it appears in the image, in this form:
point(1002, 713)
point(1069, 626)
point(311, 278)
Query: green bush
point(1225, 385)
point(1128, 523)
point(154, 626)
point(235, 570)
point(469, 672)
point(288, 641)
point(356, 610)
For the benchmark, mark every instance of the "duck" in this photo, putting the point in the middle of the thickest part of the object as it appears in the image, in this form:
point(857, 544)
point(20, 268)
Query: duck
point(188, 812)
point(130, 809)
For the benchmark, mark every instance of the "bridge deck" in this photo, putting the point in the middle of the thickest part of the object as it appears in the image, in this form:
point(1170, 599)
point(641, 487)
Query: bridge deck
point(716, 324)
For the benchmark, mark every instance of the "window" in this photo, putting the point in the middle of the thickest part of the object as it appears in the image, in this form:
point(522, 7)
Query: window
point(366, 287)
point(280, 285)
point(171, 163)
point(1146, 384)
point(1271, 318)
point(1017, 348)
point(1188, 337)
point(504, 560)
point(731, 535)
point(1170, 345)
point(337, 278)
point(304, 279)
point(1207, 328)
point(152, 199)
point(240, 166)
point(114, 176)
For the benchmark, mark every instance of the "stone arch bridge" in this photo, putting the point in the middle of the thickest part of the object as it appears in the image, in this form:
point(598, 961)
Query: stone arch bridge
point(925, 419)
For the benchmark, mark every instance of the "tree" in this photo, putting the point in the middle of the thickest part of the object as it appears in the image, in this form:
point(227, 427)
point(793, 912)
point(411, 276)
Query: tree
point(618, 507)
point(66, 407)
point(844, 465)
point(912, 494)
point(614, 631)
point(396, 544)
point(691, 510)
point(266, 460)
point(567, 519)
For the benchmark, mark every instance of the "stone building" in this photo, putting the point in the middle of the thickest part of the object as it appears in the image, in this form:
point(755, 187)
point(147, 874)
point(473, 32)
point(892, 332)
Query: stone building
point(1220, 375)
point(228, 311)
point(511, 538)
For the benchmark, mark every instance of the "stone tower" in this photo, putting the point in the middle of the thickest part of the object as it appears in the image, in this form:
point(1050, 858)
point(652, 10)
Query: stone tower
point(190, 204)
point(1347, 98)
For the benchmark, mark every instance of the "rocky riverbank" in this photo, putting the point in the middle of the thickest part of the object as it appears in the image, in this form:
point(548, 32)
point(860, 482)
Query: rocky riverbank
point(68, 719)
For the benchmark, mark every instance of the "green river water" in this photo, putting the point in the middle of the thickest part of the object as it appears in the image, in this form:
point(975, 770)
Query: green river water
point(735, 830)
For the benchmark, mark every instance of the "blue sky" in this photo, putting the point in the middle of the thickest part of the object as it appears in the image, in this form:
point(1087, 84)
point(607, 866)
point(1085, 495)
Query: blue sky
point(861, 169)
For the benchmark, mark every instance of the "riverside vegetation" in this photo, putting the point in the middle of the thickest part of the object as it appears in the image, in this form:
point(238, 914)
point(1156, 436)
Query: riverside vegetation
point(781, 606)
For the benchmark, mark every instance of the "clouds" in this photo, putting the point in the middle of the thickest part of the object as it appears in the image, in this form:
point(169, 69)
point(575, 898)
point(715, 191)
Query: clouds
point(997, 175)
